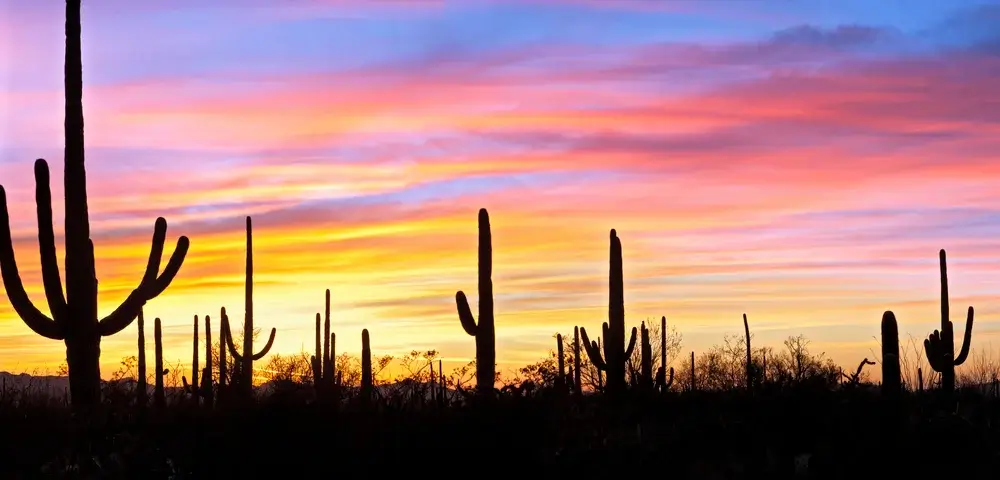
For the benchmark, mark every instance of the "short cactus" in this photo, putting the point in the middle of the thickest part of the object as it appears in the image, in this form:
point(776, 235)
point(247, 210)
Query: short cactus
point(577, 384)
point(646, 358)
point(367, 382)
point(159, 395)
point(142, 389)
point(891, 380)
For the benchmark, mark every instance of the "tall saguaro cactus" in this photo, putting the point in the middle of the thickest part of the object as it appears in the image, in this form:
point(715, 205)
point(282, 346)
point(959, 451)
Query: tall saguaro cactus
point(561, 379)
point(74, 315)
point(615, 352)
point(940, 345)
point(484, 331)
point(247, 357)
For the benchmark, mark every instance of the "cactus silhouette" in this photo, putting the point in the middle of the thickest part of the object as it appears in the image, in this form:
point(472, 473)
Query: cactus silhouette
point(223, 341)
point(615, 352)
point(142, 390)
point(367, 383)
point(940, 345)
point(694, 384)
point(74, 315)
point(891, 381)
point(663, 383)
point(484, 331)
point(247, 357)
point(192, 389)
point(646, 358)
point(749, 360)
point(577, 384)
point(324, 360)
point(202, 389)
point(561, 379)
point(159, 398)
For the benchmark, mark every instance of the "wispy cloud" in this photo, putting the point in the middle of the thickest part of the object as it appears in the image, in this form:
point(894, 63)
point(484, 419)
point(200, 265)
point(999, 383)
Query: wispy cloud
point(802, 172)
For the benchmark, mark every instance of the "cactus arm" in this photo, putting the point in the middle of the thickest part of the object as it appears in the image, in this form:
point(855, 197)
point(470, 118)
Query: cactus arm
point(966, 339)
point(593, 351)
point(37, 321)
point(151, 285)
point(229, 339)
point(631, 345)
point(47, 243)
point(267, 347)
point(931, 345)
point(670, 381)
point(465, 314)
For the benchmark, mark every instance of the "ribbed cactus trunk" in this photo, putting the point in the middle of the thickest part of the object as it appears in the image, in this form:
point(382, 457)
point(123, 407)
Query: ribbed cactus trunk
point(577, 384)
point(615, 353)
point(940, 346)
point(891, 381)
point(74, 317)
point(159, 396)
point(142, 389)
point(484, 331)
point(749, 360)
point(367, 382)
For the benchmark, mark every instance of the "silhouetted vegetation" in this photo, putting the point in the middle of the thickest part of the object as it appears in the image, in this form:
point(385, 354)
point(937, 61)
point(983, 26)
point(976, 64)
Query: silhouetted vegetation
point(736, 410)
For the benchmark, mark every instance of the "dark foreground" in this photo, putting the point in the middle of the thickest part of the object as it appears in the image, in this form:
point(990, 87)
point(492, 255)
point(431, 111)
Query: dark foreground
point(802, 434)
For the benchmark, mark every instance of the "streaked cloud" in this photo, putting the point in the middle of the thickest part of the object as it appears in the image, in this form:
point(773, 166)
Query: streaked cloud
point(763, 162)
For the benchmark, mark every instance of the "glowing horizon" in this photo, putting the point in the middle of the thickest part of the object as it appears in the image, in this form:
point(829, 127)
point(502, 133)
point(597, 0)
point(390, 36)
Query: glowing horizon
point(802, 164)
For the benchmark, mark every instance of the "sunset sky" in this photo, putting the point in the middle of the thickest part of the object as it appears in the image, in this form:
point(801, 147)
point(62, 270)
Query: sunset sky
point(801, 162)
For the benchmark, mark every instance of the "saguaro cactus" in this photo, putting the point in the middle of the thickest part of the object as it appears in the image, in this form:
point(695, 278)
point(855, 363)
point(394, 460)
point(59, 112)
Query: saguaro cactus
point(367, 382)
point(142, 392)
point(663, 382)
point(159, 397)
point(561, 379)
point(615, 352)
point(324, 360)
point(202, 389)
point(74, 315)
point(749, 360)
point(940, 346)
point(577, 384)
point(223, 341)
point(646, 358)
point(247, 357)
point(891, 381)
point(484, 331)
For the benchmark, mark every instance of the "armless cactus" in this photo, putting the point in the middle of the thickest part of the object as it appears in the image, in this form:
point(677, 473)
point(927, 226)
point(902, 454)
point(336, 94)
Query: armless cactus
point(484, 331)
point(561, 379)
point(247, 357)
point(940, 346)
point(367, 382)
point(577, 384)
point(615, 352)
point(192, 388)
point(159, 397)
point(749, 360)
point(142, 390)
point(223, 341)
point(891, 381)
point(74, 315)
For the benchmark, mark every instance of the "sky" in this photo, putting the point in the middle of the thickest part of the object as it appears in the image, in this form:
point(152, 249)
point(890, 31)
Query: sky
point(800, 162)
